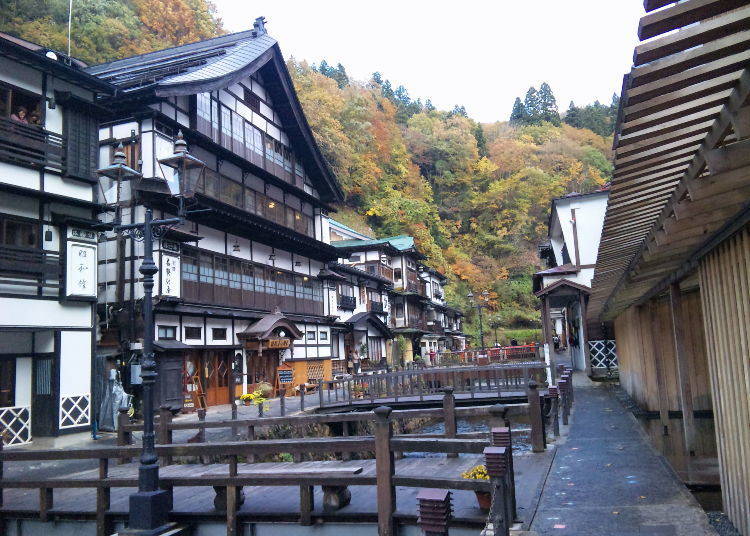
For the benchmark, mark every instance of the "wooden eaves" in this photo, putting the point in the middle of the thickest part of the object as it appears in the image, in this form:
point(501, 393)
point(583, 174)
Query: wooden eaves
point(678, 103)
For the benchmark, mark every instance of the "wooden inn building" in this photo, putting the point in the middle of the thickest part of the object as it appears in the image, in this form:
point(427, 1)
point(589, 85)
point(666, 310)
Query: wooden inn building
point(255, 254)
point(673, 268)
point(48, 248)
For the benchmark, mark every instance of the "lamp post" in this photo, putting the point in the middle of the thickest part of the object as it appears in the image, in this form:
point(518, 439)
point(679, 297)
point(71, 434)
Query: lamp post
point(480, 304)
point(149, 506)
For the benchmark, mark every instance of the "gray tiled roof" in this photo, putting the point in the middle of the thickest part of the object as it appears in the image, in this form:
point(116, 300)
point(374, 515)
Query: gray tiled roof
point(240, 55)
point(195, 62)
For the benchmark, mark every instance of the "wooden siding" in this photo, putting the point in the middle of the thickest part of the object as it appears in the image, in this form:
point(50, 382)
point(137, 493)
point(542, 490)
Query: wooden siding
point(644, 340)
point(725, 280)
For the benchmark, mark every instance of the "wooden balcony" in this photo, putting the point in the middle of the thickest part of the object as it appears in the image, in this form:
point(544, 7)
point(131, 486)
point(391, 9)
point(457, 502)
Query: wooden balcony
point(30, 146)
point(347, 302)
point(378, 268)
point(375, 307)
point(29, 271)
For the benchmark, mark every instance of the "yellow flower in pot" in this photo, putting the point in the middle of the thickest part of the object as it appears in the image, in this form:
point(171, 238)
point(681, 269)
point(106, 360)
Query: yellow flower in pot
point(479, 472)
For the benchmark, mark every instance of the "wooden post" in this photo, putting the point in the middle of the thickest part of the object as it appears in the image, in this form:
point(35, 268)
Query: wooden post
point(384, 471)
point(496, 463)
point(585, 332)
point(282, 401)
point(535, 417)
point(546, 312)
point(251, 437)
point(201, 431)
point(683, 368)
point(449, 416)
point(562, 386)
point(661, 385)
point(165, 418)
point(501, 437)
point(306, 504)
point(555, 400)
point(103, 527)
point(233, 528)
point(302, 398)
point(345, 432)
point(46, 501)
point(320, 394)
point(123, 436)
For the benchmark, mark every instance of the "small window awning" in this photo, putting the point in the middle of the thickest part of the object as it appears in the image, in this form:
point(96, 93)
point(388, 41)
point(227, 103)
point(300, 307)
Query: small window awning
point(561, 286)
point(270, 327)
point(362, 320)
point(170, 346)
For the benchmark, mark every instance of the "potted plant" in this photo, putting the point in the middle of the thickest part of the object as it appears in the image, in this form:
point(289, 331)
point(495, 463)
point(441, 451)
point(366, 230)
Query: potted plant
point(255, 398)
point(479, 472)
point(265, 388)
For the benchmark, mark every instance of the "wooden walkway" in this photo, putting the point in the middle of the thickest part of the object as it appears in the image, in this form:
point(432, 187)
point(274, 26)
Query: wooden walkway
point(425, 401)
point(262, 502)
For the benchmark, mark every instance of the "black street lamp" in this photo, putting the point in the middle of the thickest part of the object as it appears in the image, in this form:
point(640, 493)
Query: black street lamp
point(150, 506)
point(484, 297)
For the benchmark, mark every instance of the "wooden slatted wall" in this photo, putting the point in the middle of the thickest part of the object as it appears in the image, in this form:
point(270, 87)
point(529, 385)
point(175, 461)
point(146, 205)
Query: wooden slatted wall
point(725, 284)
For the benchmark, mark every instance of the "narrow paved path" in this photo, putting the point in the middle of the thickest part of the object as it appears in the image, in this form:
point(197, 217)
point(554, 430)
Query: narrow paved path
point(606, 479)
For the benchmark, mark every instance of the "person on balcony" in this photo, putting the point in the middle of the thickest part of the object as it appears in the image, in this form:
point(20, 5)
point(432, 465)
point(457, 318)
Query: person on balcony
point(20, 115)
point(34, 119)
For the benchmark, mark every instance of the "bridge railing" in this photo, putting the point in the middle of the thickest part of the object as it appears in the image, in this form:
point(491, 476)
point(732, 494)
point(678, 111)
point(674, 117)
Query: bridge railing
point(420, 384)
point(228, 482)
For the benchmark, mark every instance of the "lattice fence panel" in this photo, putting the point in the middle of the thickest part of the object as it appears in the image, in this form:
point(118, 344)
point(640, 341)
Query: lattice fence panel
point(75, 410)
point(15, 425)
point(603, 354)
point(315, 370)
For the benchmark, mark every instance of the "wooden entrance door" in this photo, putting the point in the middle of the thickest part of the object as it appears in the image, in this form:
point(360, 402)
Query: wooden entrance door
point(216, 371)
point(43, 402)
point(262, 368)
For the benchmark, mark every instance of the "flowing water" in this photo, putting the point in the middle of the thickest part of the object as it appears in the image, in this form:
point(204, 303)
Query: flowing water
point(521, 434)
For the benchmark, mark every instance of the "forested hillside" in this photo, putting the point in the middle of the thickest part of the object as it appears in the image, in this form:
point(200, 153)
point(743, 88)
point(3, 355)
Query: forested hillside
point(475, 196)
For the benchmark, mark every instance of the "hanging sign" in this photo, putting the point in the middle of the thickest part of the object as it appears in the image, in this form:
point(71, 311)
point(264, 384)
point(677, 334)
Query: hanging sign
point(278, 343)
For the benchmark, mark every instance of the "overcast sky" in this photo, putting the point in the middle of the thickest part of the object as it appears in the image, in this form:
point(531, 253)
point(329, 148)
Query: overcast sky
point(481, 54)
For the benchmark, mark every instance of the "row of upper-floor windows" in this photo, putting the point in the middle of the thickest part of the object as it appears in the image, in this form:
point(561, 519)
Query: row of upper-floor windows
point(236, 133)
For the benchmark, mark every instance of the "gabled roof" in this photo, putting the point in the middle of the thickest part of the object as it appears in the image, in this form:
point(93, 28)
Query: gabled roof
point(396, 245)
point(562, 283)
point(218, 63)
point(367, 317)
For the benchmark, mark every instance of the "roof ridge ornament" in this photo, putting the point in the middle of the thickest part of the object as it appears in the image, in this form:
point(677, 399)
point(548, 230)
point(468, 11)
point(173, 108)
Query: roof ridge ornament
point(259, 27)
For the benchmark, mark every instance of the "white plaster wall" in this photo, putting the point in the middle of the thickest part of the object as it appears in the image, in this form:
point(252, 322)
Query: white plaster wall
point(167, 320)
point(55, 184)
point(123, 129)
point(53, 120)
point(19, 176)
point(193, 322)
point(75, 363)
point(23, 382)
point(589, 222)
point(19, 312)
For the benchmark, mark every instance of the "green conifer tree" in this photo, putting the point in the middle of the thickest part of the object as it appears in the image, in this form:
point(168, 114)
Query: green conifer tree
point(518, 115)
point(481, 140)
point(573, 116)
point(548, 105)
point(533, 107)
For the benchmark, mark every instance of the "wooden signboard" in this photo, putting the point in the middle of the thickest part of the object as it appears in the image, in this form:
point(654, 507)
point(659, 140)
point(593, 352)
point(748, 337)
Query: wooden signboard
point(278, 343)
point(284, 377)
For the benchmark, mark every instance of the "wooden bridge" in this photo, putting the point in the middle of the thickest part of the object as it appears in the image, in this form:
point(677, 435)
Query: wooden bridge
point(424, 387)
point(237, 486)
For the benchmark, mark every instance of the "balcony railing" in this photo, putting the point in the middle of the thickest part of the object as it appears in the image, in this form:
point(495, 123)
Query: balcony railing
point(378, 268)
point(375, 307)
point(28, 145)
point(348, 302)
point(436, 327)
point(28, 271)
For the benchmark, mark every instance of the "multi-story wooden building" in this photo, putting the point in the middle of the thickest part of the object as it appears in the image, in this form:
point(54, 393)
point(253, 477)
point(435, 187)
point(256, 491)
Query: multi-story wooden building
point(673, 268)
point(415, 305)
point(239, 286)
point(574, 230)
point(48, 241)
